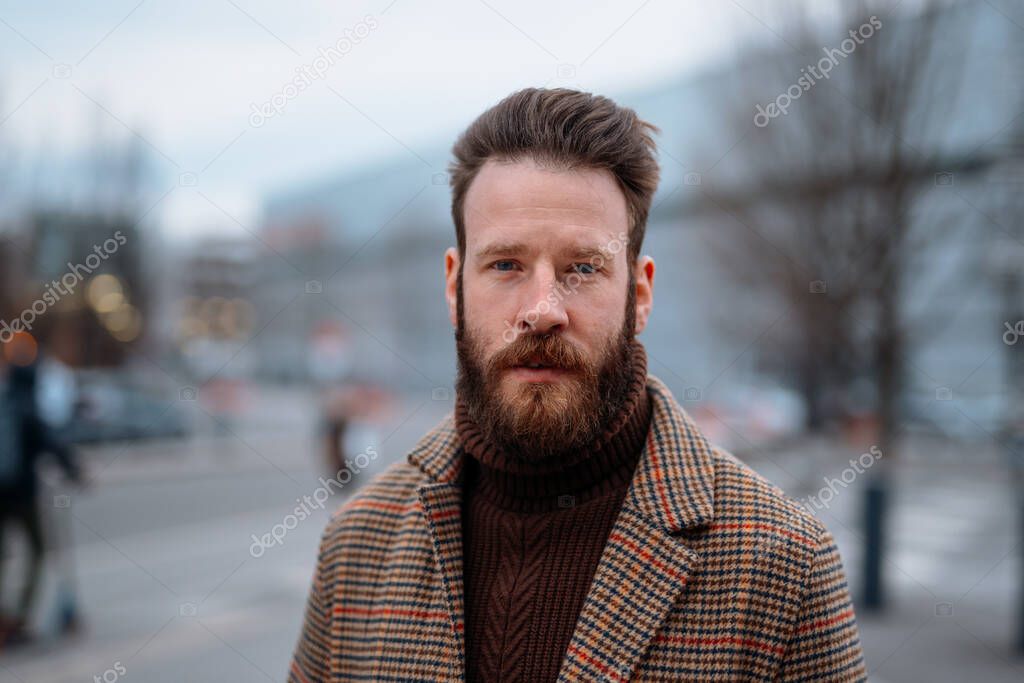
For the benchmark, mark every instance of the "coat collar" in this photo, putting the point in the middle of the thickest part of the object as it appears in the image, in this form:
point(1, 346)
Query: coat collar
point(674, 481)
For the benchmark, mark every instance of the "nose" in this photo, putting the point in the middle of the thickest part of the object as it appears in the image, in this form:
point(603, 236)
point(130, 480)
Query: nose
point(542, 310)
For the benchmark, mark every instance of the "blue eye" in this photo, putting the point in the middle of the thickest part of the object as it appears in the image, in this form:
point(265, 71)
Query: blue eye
point(584, 268)
point(499, 265)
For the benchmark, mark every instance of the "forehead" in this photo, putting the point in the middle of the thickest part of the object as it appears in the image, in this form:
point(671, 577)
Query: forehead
point(524, 197)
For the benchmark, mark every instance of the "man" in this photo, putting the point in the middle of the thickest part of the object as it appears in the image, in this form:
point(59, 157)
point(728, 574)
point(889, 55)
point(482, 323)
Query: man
point(568, 521)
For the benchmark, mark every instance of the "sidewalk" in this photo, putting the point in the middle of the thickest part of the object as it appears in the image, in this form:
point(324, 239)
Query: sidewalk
point(953, 568)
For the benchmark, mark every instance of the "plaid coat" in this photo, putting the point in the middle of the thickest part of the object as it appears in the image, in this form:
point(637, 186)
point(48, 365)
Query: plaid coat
point(709, 574)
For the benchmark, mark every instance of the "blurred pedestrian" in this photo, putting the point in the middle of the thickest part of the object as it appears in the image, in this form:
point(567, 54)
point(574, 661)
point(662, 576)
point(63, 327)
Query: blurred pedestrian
point(350, 413)
point(337, 409)
point(24, 437)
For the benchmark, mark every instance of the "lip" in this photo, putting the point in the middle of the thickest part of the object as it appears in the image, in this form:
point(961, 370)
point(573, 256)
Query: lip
point(525, 374)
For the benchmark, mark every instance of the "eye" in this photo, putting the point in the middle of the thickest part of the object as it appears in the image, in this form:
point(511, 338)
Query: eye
point(584, 268)
point(503, 266)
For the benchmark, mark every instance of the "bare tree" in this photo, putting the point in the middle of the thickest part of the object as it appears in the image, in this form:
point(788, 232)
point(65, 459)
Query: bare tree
point(830, 200)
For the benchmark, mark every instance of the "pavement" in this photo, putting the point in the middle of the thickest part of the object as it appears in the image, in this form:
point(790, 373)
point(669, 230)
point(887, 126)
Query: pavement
point(170, 587)
point(953, 571)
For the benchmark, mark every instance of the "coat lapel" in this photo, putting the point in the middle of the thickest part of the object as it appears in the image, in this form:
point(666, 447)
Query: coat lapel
point(441, 506)
point(644, 568)
point(641, 574)
point(438, 455)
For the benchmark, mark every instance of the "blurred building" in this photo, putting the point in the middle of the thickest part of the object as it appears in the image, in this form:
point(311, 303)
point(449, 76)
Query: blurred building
point(362, 251)
point(75, 238)
point(91, 267)
point(214, 314)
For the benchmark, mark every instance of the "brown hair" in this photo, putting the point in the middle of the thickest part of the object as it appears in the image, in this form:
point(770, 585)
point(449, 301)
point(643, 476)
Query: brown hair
point(567, 129)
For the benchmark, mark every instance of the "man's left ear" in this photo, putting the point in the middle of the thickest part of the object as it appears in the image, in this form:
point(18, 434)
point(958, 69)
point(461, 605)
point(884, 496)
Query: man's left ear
point(644, 275)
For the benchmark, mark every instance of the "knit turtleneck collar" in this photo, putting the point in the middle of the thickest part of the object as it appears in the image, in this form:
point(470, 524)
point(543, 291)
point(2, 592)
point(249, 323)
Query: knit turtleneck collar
point(606, 465)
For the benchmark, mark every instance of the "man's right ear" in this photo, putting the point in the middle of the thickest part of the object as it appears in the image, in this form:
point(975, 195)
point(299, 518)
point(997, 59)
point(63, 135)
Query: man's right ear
point(451, 278)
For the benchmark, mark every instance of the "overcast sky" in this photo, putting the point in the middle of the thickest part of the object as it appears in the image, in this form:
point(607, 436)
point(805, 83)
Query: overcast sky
point(184, 76)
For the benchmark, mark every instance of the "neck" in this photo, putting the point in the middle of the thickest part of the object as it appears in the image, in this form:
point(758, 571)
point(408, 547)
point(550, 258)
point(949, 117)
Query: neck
point(605, 464)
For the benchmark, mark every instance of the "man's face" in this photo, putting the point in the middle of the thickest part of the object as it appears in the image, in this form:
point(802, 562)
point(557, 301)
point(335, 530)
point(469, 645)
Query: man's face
point(547, 304)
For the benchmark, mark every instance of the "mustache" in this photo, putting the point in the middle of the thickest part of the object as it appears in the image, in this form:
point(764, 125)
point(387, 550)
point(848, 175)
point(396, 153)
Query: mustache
point(550, 350)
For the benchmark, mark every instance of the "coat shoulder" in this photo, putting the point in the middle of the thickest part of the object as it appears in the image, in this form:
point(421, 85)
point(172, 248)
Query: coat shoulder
point(384, 501)
point(744, 497)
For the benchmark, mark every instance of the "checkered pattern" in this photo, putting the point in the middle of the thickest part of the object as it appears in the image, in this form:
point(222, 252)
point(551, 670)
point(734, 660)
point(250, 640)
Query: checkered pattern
point(709, 574)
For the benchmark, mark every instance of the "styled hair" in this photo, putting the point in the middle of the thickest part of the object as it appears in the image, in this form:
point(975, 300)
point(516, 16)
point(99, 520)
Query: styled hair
point(566, 129)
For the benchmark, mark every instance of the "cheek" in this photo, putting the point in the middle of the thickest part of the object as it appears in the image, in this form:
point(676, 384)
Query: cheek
point(593, 326)
point(601, 309)
point(484, 310)
point(488, 317)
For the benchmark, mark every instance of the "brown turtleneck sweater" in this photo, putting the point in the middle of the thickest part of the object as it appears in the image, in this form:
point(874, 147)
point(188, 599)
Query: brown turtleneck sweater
point(532, 538)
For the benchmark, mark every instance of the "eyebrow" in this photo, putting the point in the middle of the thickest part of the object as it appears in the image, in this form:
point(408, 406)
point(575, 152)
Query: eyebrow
point(502, 249)
point(517, 248)
point(589, 253)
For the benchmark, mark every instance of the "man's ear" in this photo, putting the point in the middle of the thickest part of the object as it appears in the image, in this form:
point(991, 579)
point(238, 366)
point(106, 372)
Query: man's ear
point(451, 278)
point(644, 275)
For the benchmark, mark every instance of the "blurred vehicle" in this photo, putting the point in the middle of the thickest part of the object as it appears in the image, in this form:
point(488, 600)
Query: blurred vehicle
point(116, 407)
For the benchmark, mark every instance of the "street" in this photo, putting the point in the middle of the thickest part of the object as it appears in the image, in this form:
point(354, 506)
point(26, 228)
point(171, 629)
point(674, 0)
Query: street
point(170, 589)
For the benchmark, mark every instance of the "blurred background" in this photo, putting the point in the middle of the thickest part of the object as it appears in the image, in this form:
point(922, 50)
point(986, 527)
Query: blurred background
point(221, 238)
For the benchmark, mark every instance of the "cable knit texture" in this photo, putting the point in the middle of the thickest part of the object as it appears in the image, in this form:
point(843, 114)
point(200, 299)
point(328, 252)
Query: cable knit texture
point(533, 536)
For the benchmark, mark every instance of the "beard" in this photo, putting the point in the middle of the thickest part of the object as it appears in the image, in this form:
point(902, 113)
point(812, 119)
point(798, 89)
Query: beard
point(539, 423)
